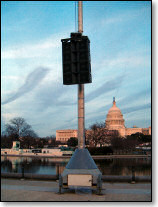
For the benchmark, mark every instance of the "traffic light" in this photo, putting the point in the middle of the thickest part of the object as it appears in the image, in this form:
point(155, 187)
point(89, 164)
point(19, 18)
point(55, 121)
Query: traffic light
point(76, 59)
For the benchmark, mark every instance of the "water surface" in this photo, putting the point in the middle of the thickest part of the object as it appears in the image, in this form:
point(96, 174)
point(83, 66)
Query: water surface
point(52, 166)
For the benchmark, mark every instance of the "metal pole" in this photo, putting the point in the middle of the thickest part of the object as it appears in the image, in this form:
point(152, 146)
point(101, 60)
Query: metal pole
point(81, 128)
point(80, 17)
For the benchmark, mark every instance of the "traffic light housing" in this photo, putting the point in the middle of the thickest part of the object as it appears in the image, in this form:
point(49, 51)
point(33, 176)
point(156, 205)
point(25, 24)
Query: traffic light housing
point(76, 60)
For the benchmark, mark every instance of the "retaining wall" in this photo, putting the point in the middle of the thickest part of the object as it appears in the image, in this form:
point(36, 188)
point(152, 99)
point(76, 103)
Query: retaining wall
point(105, 178)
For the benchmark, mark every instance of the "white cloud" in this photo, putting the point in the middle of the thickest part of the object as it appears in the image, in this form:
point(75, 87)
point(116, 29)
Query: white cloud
point(124, 17)
point(33, 79)
point(112, 20)
point(40, 49)
point(9, 116)
point(132, 61)
point(11, 77)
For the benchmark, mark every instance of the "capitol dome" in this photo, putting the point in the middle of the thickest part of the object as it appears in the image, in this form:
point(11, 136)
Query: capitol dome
point(114, 119)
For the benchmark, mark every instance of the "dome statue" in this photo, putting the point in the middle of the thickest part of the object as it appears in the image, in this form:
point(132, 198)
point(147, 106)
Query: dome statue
point(114, 119)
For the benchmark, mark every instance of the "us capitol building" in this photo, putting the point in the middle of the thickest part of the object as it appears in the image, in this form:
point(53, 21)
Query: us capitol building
point(114, 121)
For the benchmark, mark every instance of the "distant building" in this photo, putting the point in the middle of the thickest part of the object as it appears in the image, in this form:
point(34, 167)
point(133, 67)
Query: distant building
point(55, 152)
point(114, 122)
point(64, 135)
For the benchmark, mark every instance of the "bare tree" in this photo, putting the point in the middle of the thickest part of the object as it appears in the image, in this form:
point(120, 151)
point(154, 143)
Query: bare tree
point(98, 135)
point(18, 126)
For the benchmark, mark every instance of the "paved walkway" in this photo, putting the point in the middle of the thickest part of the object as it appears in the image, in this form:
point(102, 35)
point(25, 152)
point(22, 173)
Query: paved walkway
point(28, 190)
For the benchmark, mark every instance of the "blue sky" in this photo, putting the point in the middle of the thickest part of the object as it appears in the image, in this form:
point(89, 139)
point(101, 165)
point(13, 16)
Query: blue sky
point(31, 74)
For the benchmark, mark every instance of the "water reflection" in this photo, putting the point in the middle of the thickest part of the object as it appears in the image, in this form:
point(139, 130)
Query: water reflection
point(123, 166)
point(52, 166)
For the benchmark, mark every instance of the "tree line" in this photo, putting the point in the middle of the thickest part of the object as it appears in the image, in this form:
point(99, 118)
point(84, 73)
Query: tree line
point(95, 137)
point(98, 137)
point(19, 130)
